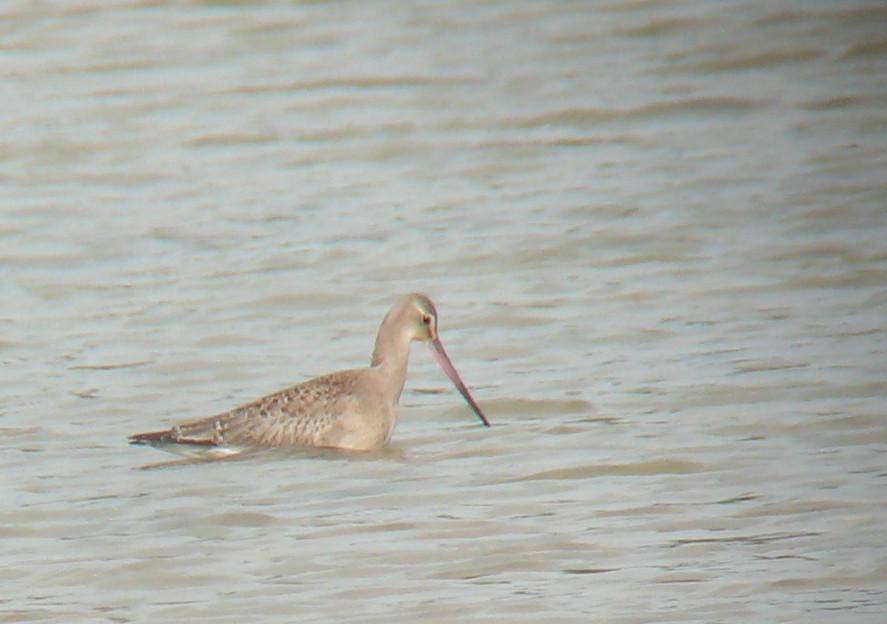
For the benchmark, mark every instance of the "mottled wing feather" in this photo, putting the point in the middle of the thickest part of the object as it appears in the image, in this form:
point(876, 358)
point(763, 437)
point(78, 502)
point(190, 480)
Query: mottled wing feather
point(303, 415)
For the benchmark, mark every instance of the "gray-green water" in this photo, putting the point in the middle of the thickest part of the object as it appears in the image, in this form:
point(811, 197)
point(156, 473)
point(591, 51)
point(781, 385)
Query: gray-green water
point(657, 237)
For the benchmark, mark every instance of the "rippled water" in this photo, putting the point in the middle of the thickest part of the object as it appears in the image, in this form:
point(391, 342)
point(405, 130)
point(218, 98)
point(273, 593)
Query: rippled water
point(656, 234)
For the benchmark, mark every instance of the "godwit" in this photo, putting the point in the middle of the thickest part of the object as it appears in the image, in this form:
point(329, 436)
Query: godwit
point(351, 409)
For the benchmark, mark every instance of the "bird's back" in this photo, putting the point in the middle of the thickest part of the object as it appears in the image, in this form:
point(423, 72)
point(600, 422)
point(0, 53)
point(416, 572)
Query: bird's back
point(330, 411)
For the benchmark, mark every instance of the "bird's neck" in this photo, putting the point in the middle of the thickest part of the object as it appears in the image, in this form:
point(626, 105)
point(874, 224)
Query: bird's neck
point(390, 357)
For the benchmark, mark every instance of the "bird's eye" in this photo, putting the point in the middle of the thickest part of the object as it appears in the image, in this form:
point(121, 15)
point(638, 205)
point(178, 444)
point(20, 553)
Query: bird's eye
point(426, 319)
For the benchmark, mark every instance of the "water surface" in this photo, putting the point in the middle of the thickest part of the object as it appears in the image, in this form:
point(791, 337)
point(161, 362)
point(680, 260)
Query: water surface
point(655, 234)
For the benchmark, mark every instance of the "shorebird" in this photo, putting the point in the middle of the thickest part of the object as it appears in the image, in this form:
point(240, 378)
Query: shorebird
point(353, 410)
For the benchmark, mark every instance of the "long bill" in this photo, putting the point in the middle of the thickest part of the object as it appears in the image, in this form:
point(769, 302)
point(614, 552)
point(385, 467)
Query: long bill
point(443, 359)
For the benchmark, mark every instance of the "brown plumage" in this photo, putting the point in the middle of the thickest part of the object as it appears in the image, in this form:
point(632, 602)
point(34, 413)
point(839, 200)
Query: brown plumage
point(351, 409)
